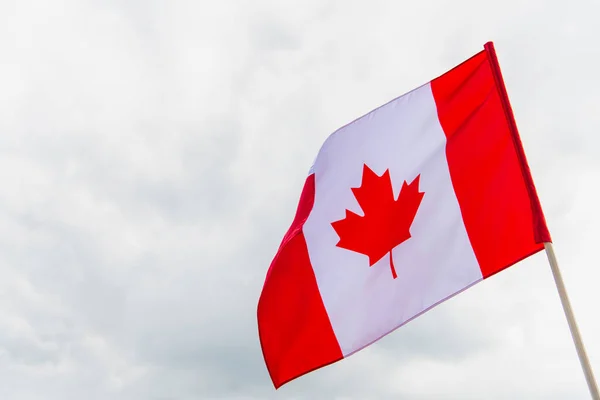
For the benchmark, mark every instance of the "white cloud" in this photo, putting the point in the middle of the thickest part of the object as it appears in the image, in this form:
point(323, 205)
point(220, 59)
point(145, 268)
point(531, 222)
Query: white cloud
point(151, 158)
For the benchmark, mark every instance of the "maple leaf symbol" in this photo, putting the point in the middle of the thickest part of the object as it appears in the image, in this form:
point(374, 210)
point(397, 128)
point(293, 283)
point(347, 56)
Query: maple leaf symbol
point(386, 221)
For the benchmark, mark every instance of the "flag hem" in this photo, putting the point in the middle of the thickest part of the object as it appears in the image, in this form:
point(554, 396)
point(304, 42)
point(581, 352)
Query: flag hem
point(541, 233)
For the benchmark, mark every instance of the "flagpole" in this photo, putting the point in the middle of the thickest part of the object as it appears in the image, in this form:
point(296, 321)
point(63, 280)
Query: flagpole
point(564, 299)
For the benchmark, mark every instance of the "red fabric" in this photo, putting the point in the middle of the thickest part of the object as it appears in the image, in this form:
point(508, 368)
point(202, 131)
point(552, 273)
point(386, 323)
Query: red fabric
point(541, 232)
point(295, 332)
point(489, 172)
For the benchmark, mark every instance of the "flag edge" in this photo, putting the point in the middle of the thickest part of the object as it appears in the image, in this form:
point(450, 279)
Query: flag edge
point(540, 227)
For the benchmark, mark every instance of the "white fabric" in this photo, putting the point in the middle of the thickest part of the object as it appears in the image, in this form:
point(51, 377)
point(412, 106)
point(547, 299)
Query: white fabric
point(365, 303)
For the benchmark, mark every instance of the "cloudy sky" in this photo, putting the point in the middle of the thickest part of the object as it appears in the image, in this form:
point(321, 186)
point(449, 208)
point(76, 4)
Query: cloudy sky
point(151, 158)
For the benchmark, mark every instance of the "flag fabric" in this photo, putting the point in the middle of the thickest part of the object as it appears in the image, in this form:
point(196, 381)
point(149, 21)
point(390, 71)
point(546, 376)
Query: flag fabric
point(402, 209)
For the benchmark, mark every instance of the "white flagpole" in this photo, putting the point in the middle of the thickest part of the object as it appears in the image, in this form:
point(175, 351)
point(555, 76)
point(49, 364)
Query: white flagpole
point(564, 299)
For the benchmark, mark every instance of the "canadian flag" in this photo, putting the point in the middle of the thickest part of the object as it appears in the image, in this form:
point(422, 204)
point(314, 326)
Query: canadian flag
point(403, 208)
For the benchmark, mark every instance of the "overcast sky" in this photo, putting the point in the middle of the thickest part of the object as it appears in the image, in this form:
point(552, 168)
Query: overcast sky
point(151, 158)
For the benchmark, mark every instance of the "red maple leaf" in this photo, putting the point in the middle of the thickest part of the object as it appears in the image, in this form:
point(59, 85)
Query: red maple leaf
point(386, 221)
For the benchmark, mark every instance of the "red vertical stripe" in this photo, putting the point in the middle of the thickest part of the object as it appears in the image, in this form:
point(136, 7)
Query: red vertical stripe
point(489, 171)
point(540, 232)
point(295, 332)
